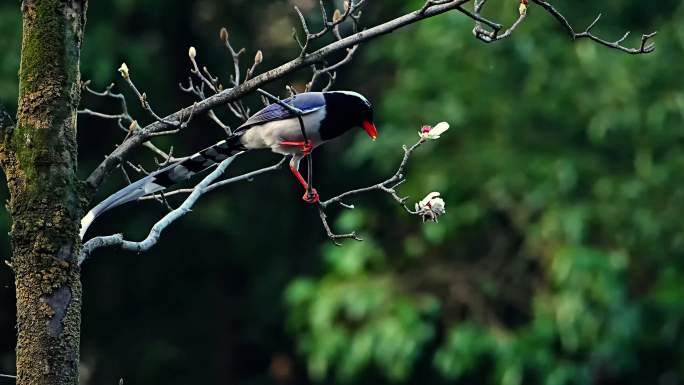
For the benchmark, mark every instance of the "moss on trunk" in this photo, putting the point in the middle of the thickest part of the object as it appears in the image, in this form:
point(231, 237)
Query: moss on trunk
point(39, 159)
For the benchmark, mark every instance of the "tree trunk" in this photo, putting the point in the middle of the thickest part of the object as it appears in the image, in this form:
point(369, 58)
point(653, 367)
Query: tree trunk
point(38, 155)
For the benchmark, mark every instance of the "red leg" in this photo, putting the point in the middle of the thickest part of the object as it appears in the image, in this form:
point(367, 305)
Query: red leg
point(309, 196)
point(306, 146)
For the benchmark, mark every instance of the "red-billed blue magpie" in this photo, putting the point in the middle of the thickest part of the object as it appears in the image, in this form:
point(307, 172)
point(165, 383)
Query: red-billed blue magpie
point(326, 115)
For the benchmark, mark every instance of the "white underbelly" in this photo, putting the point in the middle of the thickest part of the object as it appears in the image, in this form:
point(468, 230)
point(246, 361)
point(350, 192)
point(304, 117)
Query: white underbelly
point(272, 134)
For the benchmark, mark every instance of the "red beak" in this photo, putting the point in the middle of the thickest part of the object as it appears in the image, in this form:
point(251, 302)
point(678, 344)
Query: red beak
point(370, 129)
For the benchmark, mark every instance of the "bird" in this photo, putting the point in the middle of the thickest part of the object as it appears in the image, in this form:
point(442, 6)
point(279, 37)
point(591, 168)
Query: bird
point(325, 116)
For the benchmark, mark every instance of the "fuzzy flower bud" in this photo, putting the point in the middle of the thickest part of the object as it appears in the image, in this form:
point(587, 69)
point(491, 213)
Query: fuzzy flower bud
point(258, 58)
point(223, 34)
point(431, 207)
point(523, 7)
point(123, 70)
point(428, 132)
point(192, 52)
point(337, 16)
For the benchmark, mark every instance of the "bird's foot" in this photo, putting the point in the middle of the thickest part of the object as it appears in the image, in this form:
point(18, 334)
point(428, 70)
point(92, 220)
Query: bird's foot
point(306, 146)
point(311, 196)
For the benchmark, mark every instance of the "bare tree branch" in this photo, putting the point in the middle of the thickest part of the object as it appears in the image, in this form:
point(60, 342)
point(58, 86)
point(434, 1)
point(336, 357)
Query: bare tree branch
point(388, 186)
point(338, 18)
point(169, 158)
point(644, 47)
point(330, 70)
point(430, 208)
point(335, 238)
point(123, 118)
point(177, 125)
point(156, 231)
point(199, 92)
point(493, 35)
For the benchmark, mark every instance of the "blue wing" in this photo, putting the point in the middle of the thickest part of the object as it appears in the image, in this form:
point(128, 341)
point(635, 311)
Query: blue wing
point(307, 102)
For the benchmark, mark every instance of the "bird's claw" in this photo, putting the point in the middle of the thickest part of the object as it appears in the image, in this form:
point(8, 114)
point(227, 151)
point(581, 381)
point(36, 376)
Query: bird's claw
point(311, 196)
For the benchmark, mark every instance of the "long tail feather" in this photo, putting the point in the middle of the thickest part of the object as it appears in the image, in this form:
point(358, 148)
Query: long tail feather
point(166, 177)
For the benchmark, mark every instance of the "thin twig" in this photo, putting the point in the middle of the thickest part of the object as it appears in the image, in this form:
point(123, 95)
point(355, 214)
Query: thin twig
point(161, 153)
point(494, 35)
point(199, 92)
point(388, 186)
point(146, 105)
point(102, 115)
point(331, 25)
point(124, 119)
point(330, 70)
point(125, 174)
point(335, 238)
point(644, 47)
point(307, 35)
point(248, 177)
point(432, 3)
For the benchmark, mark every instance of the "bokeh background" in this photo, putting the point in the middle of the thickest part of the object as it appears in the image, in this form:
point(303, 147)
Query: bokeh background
point(560, 259)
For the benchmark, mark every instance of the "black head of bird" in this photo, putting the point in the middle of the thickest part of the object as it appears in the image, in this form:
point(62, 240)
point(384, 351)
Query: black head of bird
point(344, 111)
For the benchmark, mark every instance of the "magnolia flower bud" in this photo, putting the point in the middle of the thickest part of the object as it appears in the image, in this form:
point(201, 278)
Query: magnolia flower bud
point(522, 9)
point(346, 6)
point(337, 16)
point(258, 58)
point(123, 70)
point(431, 207)
point(427, 132)
point(192, 52)
point(223, 34)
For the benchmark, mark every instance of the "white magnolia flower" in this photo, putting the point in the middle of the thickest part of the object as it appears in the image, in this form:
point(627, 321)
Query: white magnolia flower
point(124, 70)
point(427, 132)
point(431, 207)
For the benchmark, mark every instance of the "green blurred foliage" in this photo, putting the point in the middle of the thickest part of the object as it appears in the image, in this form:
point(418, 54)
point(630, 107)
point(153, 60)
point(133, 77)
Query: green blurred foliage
point(356, 315)
point(562, 236)
point(559, 260)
